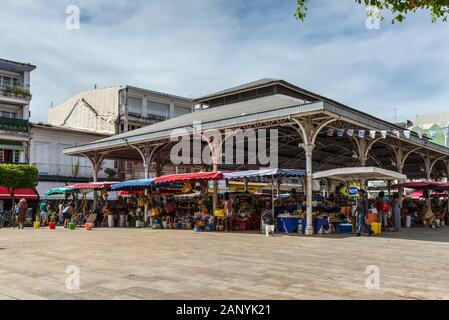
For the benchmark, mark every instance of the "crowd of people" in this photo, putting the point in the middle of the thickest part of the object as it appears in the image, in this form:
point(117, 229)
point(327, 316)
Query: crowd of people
point(392, 212)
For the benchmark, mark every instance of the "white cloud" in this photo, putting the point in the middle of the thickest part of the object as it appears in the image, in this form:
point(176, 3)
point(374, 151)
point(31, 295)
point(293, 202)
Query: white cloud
point(196, 47)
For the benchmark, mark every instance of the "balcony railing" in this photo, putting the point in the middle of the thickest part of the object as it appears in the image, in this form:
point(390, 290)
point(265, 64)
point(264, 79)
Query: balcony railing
point(11, 124)
point(18, 90)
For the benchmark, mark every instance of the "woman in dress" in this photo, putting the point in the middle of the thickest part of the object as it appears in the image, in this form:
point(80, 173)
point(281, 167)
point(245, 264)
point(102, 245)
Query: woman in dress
point(397, 209)
point(23, 210)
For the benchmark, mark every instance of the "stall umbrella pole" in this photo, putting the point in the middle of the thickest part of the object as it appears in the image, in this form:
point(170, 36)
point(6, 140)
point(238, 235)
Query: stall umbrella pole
point(272, 198)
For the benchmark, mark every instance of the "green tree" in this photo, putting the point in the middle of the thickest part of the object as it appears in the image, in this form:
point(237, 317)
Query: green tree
point(438, 9)
point(18, 176)
point(110, 172)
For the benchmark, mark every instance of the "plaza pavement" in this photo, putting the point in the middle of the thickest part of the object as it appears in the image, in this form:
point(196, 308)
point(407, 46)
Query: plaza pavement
point(180, 264)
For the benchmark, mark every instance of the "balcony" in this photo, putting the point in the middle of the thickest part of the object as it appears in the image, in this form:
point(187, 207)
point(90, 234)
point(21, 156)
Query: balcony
point(11, 124)
point(18, 90)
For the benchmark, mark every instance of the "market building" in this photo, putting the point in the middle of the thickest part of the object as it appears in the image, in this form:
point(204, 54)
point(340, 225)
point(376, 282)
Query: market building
point(314, 134)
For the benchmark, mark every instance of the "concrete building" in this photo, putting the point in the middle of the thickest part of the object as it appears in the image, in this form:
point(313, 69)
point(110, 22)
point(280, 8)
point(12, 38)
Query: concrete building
point(115, 110)
point(15, 97)
point(46, 145)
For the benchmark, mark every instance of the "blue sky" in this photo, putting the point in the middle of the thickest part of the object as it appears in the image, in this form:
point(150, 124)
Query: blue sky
point(195, 47)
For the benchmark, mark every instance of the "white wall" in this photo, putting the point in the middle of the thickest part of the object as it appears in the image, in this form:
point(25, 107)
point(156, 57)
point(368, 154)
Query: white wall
point(73, 113)
point(46, 152)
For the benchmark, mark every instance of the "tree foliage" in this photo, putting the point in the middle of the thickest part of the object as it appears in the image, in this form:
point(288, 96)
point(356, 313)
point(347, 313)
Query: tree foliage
point(438, 9)
point(18, 176)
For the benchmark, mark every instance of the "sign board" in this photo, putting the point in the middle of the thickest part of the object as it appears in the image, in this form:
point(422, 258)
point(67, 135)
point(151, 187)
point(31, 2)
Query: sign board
point(222, 184)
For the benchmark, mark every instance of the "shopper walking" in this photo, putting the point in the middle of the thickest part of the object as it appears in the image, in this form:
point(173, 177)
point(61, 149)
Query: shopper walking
point(397, 209)
point(44, 208)
point(23, 210)
point(381, 209)
point(67, 213)
point(361, 212)
point(229, 211)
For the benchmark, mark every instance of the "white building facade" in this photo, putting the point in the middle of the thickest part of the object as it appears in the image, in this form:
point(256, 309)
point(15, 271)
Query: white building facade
point(46, 145)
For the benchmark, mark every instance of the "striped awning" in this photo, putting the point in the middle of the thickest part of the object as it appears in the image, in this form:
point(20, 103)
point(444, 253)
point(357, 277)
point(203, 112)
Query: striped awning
point(11, 145)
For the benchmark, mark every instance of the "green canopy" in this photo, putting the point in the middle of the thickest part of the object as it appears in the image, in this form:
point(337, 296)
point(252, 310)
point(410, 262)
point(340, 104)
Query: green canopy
point(55, 191)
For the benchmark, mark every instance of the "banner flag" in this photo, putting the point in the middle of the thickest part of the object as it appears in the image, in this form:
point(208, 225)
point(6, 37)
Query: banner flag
point(361, 134)
point(407, 134)
point(350, 132)
point(372, 134)
point(340, 132)
point(330, 132)
point(432, 133)
point(383, 134)
point(396, 133)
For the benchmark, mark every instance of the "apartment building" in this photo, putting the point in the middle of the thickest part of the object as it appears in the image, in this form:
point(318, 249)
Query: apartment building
point(15, 98)
point(114, 110)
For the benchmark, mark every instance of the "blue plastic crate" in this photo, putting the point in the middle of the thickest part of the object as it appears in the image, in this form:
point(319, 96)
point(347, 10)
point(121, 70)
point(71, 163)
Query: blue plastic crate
point(344, 228)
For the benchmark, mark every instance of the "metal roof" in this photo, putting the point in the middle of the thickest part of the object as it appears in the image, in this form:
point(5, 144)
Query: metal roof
point(15, 66)
point(246, 112)
point(245, 86)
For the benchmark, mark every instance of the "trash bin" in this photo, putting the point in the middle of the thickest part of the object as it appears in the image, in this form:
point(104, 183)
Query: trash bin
point(110, 221)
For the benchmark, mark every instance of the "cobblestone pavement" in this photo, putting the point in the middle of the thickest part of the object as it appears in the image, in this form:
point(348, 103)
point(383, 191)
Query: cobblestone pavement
point(180, 264)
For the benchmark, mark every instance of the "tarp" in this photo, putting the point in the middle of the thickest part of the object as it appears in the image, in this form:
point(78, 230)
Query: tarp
point(59, 191)
point(352, 173)
point(275, 172)
point(133, 184)
point(93, 185)
point(28, 194)
point(214, 175)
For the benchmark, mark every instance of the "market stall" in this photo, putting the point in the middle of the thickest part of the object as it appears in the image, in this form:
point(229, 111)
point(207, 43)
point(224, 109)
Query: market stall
point(428, 205)
point(353, 178)
point(288, 220)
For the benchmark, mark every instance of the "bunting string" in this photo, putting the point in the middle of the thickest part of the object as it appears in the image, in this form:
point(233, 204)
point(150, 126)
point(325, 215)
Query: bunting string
point(383, 133)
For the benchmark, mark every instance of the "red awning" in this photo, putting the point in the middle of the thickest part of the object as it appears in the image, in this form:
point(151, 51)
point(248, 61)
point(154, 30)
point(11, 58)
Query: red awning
point(28, 194)
point(215, 175)
point(93, 185)
point(420, 194)
point(421, 185)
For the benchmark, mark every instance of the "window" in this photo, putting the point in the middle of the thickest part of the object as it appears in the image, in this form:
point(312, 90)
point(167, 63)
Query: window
point(135, 106)
point(158, 109)
point(7, 114)
point(15, 155)
point(179, 111)
point(9, 156)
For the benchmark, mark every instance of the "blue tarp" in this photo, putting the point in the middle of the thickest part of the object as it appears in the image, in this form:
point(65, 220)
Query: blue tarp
point(276, 173)
point(133, 184)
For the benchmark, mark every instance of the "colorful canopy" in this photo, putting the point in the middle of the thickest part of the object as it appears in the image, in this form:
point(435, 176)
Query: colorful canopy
point(93, 185)
point(275, 172)
point(215, 175)
point(58, 191)
point(133, 184)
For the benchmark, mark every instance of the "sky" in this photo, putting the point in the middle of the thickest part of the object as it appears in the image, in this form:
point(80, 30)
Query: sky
point(195, 47)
